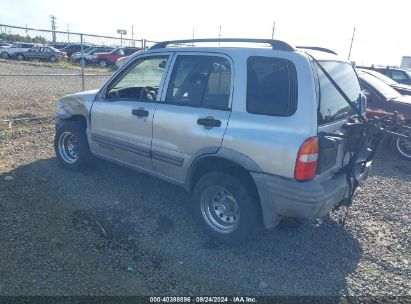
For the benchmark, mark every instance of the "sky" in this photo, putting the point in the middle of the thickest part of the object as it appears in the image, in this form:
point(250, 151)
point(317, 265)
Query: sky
point(382, 33)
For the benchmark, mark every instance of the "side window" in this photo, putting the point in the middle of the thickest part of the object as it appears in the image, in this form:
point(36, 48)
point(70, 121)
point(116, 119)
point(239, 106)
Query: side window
point(128, 52)
point(199, 80)
point(271, 86)
point(398, 75)
point(141, 81)
point(120, 52)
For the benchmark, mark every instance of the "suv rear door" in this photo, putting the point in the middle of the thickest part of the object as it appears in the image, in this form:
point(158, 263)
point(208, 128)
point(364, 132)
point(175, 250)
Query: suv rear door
point(122, 119)
point(192, 116)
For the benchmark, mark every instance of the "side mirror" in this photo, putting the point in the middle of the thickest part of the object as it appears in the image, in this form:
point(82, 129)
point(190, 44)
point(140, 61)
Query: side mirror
point(364, 95)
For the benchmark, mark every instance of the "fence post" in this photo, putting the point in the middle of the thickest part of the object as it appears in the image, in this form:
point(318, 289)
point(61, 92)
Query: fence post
point(82, 63)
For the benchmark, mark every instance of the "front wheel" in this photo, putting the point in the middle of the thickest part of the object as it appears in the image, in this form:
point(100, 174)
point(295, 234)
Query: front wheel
point(402, 145)
point(224, 208)
point(20, 57)
point(71, 146)
point(4, 55)
point(103, 63)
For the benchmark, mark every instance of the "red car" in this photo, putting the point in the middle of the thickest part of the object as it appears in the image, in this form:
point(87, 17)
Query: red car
point(106, 59)
point(382, 100)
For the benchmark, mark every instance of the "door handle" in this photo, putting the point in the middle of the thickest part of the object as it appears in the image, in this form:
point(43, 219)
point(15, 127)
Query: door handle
point(139, 112)
point(209, 122)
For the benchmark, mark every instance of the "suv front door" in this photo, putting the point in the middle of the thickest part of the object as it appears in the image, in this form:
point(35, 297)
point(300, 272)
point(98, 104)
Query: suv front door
point(122, 120)
point(192, 116)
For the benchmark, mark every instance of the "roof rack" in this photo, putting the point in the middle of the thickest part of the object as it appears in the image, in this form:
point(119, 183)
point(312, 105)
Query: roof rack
point(317, 48)
point(275, 44)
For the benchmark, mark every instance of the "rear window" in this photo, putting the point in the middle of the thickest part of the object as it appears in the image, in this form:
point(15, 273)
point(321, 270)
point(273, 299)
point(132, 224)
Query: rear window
point(332, 106)
point(271, 86)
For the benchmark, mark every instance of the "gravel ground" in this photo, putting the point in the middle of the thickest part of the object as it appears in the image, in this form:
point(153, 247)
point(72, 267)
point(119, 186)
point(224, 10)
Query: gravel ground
point(109, 230)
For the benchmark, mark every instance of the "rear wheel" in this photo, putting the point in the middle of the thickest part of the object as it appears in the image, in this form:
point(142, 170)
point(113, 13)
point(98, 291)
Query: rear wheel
point(402, 145)
point(224, 208)
point(71, 146)
point(53, 58)
point(4, 55)
point(20, 57)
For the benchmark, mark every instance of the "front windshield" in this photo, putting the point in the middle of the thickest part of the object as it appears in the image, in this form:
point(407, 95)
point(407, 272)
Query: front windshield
point(88, 50)
point(382, 77)
point(380, 86)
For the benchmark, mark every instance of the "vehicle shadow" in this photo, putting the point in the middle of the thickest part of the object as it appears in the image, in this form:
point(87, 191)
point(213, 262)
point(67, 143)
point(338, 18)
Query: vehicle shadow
point(150, 222)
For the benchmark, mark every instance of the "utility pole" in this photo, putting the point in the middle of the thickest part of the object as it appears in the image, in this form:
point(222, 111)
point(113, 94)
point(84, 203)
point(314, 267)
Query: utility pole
point(132, 35)
point(272, 33)
point(219, 35)
point(53, 27)
point(192, 44)
point(27, 33)
point(68, 33)
point(352, 41)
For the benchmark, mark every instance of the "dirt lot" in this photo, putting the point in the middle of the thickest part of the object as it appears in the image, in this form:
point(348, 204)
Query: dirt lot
point(110, 230)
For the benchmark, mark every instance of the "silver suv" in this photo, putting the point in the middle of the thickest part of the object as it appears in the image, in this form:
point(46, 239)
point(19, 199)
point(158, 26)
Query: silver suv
point(254, 133)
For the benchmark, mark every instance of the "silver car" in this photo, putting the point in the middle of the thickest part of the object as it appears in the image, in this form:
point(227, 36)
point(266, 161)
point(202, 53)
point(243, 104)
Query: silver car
point(246, 130)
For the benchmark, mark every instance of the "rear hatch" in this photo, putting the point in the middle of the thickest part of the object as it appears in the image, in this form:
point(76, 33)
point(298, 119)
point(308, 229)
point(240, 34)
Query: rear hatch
point(333, 114)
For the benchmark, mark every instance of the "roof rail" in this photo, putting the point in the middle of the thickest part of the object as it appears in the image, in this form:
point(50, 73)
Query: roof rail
point(317, 48)
point(275, 44)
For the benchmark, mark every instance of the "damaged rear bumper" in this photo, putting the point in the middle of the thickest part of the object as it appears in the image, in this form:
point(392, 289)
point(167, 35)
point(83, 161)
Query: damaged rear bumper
point(310, 200)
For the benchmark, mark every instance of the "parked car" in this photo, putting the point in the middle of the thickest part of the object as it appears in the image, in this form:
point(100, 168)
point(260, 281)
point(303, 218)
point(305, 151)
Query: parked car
point(403, 89)
point(88, 54)
point(16, 50)
point(384, 101)
point(106, 59)
point(60, 46)
point(250, 149)
point(74, 48)
point(121, 61)
point(44, 53)
point(399, 75)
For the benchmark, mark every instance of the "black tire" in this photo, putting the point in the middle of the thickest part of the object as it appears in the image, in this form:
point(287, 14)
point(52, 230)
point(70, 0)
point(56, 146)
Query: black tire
point(249, 218)
point(4, 55)
point(20, 57)
point(83, 156)
point(399, 149)
point(53, 58)
point(103, 63)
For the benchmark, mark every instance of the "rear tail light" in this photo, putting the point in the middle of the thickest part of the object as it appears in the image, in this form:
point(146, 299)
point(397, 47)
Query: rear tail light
point(306, 165)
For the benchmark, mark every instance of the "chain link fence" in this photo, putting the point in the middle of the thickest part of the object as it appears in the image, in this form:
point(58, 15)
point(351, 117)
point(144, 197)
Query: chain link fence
point(40, 66)
point(71, 54)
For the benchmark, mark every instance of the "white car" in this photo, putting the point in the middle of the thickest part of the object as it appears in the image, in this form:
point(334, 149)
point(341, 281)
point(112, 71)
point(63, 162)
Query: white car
point(16, 50)
point(121, 61)
point(88, 54)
